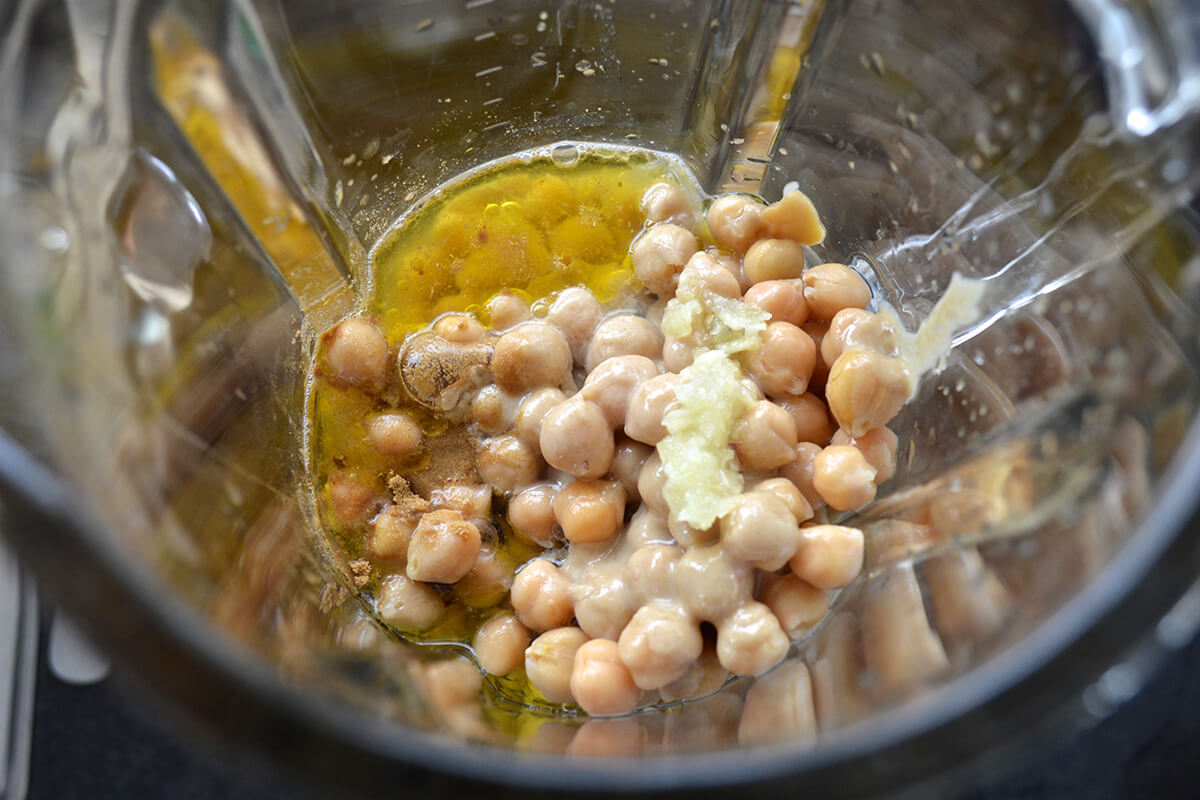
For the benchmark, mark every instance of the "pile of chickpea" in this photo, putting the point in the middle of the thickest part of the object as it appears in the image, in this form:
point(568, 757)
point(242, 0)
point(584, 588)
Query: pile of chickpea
point(565, 409)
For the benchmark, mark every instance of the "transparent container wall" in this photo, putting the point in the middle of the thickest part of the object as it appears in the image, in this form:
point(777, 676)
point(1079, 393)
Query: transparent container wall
point(192, 189)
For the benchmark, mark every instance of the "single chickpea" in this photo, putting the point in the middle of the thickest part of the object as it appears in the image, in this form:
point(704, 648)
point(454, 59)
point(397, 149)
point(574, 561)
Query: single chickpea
point(843, 477)
point(786, 492)
point(487, 583)
point(779, 707)
point(531, 355)
point(531, 514)
point(765, 437)
point(659, 255)
point(650, 571)
point(391, 531)
point(761, 531)
point(394, 434)
point(712, 275)
point(750, 641)
point(735, 221)
point(527, 426)
point(678, 354)
point(857, 327)
point(784, 362)
point(665, 202)
point(350, 499)
point(829, 556)
point(603, 600)
point(452, 683)
point(773, 260)
point(507, 463)
point(624, 335)
point(878, 446)
point(711, 583)
point(811, 416)
point(600, 683)
point(357, 355)
point(794, 217)
point(627, 463)
point(500, 644)
point(550, 660)
point(651, 480)
point(797, 604)
point(648, 405)
point(612, 381)
point(443, 548)
point(458, 328)
point(659, 645)
point(472, 501)
point(576, 438)
point(541, 596)
point(782, 299)
point(800, 473)
point(590, 510)
point(829, 288)
point(576, 312)
point(866, 390)
point(506, 309)
point(489, 410)
point(406, 604)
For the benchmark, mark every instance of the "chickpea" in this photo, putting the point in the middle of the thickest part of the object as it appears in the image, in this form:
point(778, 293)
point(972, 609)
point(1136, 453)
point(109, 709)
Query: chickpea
point(608, 738)
point(782, 299)
point(357, 355)
point(589, 510)
point(500, 644)
point(659, 645)
point(531, 514)
point(772, 260)
point(650, 571)
point(878, 446)
point(659, 255)
point(665, 202)
point(533, 410)
point(487, 583)
point(786, 492)
point(576, 312)
point(627, 463)
point(735, 221)
point(811, 416)
point(350, 499)
point(651, 480)
point(576, 438)
point(779, 707)
point(800, 473)
point(794, 217)
point(531, 355)
point(678, 354)
point(829, 288)
point(550, 660)
point(765, 437)
point(541, 596)
point(866, 390)
point(604, 602)
point(624, 335)
point(443, 548)
point(857, 327)
point(473, 502)
point(816, 331)
point(489, 410)
point(843, 478)
point(761, 531)
point(829, 556)
point(507, 463)
point(648, 405)
point(711, 583)
point(458, 328)
point(452, 683)
point(784, 362)
point(406, 604)
point(750, 641)
point(688, 535)
point(390, 532)
point(613, 380)
point(712, 275)
point(797, 604)
point(506, 310)
point(394, 434)
point(704, 677)
point(600, 683)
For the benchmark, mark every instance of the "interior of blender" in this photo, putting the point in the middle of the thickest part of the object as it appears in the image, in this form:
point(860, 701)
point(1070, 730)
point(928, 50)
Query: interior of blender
point(193, 194)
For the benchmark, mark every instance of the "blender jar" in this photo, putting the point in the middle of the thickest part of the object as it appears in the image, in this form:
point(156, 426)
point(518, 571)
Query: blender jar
point(191, 193)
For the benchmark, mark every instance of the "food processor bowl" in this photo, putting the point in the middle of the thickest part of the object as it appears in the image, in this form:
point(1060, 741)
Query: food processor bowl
point(191, 190)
